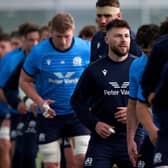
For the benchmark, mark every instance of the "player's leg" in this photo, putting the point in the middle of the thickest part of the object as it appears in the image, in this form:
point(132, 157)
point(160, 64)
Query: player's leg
point(5, 145)
point(30, 145)
point(79, 137)
point(80, 144)
point(51, 155)
point(69, 158)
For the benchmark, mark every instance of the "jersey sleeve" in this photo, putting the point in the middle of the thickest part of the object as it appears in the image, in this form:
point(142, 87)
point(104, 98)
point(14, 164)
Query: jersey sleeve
point(6, 68)
point(133, 84)
point(80, 100)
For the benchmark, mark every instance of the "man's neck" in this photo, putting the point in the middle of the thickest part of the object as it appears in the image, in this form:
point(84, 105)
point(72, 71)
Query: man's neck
point(116, 58)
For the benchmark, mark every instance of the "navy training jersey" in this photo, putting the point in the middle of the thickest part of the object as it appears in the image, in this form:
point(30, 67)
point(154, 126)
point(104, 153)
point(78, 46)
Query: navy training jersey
point(99, 48)
point(102, 88)
point(57, 72)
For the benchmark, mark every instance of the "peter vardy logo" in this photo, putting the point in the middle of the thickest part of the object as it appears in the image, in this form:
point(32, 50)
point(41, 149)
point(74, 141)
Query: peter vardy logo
point(116, 85)
point(60, 78)
point(117, 89)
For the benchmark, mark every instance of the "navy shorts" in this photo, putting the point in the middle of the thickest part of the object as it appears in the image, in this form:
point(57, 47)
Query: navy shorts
point(161, 150)
point(107, 152)
point(15, 119)
point(146, 154)
point(51, 129)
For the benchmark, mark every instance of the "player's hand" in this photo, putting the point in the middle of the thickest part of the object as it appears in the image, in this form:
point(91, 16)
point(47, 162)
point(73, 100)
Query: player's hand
point(33, 108)
point(121, 115)
point(47, 111)
point(103, 129)
point(151, 97)
point(22, 108)
point(132, 152)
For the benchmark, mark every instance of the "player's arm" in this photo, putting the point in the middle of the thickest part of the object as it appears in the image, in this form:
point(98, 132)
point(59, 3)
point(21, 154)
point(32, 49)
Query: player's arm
point(132, 121)
point(27, 85)
point(145, 117)
point(132, 124)
point(80, 100)
point(2, 96)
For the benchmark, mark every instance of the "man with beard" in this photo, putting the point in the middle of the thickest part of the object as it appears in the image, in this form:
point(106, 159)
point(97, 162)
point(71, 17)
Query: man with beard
point(106, 11)
point(105, 83)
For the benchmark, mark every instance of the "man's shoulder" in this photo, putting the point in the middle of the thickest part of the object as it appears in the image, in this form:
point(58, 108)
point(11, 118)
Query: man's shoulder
point(43, 45)
point(138, 65)
point(81, 42)
point(162, 40)
point(132, 57)
point(140, 60)
point(98, 36)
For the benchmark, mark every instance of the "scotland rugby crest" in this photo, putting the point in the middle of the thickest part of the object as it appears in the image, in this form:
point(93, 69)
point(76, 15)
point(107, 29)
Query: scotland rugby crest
point(77, 61)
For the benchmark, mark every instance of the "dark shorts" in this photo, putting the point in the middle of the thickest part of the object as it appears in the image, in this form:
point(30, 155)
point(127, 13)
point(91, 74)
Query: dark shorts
point(26, 145)
point(50, 130)
point(161, 150)
point(15, 119)
point(107, 152)
point(146, 154)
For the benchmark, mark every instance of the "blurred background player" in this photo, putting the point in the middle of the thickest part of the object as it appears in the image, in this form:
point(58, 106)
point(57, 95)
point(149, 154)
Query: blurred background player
point(87, 32)
point(5, 44)
point(23, 133)
point(44, 32)
point(16, 39)
point(5, 145)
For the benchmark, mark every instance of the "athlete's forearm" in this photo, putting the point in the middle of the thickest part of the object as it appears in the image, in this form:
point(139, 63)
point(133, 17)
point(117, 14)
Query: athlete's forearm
point(132, 121)
point(2, 96)
point(27, 85)
point(145, 117)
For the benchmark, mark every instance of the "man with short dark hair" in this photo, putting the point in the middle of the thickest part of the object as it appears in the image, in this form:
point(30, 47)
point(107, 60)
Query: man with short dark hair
point(100, 100)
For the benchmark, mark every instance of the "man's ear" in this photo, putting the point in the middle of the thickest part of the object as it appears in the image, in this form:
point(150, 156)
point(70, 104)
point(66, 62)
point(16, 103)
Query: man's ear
point(106, 39)
point(119, 15)
point(74, 29)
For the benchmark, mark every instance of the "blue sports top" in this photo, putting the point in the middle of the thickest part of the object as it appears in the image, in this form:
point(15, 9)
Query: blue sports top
point(135, 76)
point(9, 63)
point(57, 72)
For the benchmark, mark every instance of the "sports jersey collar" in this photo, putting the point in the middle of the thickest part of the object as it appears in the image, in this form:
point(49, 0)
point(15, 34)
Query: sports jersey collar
point(51, 42)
